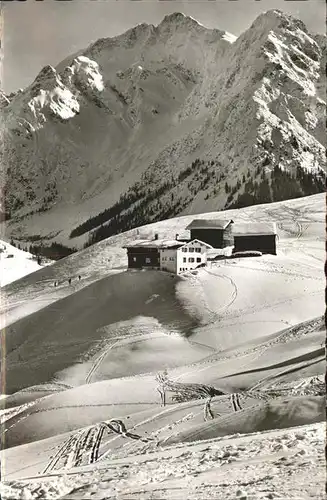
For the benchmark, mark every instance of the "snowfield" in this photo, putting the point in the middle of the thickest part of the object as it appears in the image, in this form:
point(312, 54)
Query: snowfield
point(83, 416)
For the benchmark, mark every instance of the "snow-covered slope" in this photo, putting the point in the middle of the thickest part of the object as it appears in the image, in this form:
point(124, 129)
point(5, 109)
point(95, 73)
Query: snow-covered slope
point(15, 263)
point(251, 328)
point(288, 463)
point(176, 108)
point(285, 290)
point(109, 257)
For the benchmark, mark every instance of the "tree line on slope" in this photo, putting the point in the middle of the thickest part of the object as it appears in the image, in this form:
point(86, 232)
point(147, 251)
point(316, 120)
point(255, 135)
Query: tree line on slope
point(133, 196)
point(163, 203)
point(140, 205)
point(55, 251)
point(138, 215)
point(281, 185)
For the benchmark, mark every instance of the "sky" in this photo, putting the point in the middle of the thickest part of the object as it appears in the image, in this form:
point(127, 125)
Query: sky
point(37, 33)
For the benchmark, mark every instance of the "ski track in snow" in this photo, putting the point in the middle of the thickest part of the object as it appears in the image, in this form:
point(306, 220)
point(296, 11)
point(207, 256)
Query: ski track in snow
point(98, 361)
point(261, 465)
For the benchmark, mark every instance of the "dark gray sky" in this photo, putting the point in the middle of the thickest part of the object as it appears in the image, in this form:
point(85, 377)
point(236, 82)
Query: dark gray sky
point(37, 33)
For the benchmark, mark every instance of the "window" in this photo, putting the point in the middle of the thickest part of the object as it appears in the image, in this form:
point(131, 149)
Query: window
point(180, 269)
point(198, 259)
point(147, 260)
point(198, 250)
point(191, 259)
point(184, 249)
point(171, 258)
point(184, 259)
point(191, 249)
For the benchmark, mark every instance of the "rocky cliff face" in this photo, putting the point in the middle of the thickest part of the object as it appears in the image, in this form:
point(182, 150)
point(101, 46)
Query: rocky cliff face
point(166, 119)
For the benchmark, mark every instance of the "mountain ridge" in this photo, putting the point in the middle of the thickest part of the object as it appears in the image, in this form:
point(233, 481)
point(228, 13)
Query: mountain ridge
point(173, 101)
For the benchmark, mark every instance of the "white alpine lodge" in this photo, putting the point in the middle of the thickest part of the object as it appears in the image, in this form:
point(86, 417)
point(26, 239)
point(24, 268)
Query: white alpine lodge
point(209, 240)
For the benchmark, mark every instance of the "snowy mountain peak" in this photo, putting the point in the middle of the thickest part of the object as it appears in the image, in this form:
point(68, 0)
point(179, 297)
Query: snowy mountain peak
point(53, 95)
point(179, 21)
point(47, 74)
point(288, 20)
point(278, 20)
point(175, 17)
point(46, 80)
point(135, 35)
point(87, 71)
point(179, 18)
point(128, 39)
point(137, 31)
point(47, 71)
point(58, 102)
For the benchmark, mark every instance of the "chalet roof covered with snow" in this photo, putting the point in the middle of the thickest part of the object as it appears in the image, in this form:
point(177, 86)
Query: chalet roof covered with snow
point(189, 242)
point(254, 229)
point(209, 224)
point(155, 244)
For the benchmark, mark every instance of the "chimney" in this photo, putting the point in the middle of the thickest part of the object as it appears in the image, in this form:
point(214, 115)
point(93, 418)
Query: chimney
point(176, 237)
point(156, 236)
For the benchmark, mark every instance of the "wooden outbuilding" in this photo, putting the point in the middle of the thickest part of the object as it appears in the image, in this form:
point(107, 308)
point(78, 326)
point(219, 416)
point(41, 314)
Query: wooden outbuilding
point(214, 232)
point(258, 236)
